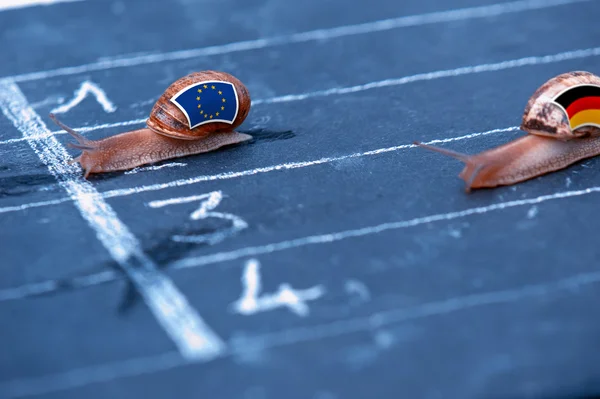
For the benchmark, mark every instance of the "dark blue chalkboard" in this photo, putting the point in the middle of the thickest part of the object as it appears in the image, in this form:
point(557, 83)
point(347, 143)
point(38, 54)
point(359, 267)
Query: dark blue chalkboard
point(327, 257)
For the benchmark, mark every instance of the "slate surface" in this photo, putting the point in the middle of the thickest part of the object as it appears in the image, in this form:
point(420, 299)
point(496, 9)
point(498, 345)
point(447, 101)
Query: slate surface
point(496, 304)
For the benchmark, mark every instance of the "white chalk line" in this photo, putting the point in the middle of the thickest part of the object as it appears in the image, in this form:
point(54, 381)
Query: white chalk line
point(369, 230)
point(285, 166)
point(186, 328)
point(153, 168)
point(109, 372)
point(427, 76)
point(302, 37)
point(26, 290)
point(468, 70)
point(255, 171)
point(12, 4)
point(83, 129)
point(435, 308)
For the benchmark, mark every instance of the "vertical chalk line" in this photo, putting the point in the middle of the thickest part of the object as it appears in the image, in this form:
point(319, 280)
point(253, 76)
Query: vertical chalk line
point(183, 324)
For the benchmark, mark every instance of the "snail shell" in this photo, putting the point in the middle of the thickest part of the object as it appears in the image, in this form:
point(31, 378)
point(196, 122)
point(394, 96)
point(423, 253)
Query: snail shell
point(165, 118)
point(545, 118)
point(167, 135)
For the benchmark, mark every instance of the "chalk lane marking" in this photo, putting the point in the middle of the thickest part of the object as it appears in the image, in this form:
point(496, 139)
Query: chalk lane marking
point(133, 367)
point(83, 129)
point(255, 171)
point(447, 73)
point(308, 36)
point(287, 166)
point(365, 231)
point(12, 4)
point(468, 70)
point(252, 302)
point(208, 203)
point(153, 168)
point(30, 289)
point(87, 87)
point(186, 328)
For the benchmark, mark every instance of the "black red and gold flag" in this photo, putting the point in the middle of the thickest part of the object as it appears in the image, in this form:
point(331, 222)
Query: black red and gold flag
point(581, 103)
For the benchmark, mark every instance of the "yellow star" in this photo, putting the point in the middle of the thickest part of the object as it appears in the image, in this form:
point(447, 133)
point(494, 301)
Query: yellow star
point(222, 108)
point(205, 86)
point(211, 117)
point(199, 90)
point(197, 98)
point(220, 92)
point(217, 114)
point(212, 87)
point(205, 116)
point(201, 111)
point(199, 105)
point(223, 100)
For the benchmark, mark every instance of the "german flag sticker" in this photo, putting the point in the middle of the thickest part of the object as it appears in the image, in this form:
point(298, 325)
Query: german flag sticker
point(581, 103)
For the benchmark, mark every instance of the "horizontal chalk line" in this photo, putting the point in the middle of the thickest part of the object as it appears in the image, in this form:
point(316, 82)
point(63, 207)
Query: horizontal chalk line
point(84, 129)
point(342, 235)
point(13, 4)
point(111, 371)
point(255, 171)
point(461, 71)
point(302, 37)
point(510, 64)
point(25, 290)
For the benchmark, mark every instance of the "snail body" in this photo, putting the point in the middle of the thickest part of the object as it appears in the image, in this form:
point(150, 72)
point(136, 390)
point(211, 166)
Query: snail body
point(551, 144)
point(169, 132)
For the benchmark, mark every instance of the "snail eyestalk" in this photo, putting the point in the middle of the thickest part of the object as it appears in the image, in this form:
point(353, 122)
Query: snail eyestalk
point(82, 142)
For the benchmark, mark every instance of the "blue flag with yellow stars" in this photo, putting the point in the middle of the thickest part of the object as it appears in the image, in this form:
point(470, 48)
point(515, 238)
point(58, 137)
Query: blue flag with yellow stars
point(206, 102)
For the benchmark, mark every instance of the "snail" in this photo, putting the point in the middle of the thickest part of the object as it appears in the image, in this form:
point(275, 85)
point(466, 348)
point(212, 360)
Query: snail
point(552, 143)
point(197, 113)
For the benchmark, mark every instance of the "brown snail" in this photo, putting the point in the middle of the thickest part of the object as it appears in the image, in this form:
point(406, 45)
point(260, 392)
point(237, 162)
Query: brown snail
point(197, 113)
point(552, 143)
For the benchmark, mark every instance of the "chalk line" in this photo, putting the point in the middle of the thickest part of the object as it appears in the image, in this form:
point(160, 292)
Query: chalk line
point(365, 231)
point(83, 129)
point(109, 372)
point(286, 166)
point(255, 171)
point(430, 309)
point(447, 73)
point(153, 168)
point(23, 291)
point(12, 4)
point(303, 37)
point(468, 70)
point(186, 328)
point(178, 200)
point(22, 207)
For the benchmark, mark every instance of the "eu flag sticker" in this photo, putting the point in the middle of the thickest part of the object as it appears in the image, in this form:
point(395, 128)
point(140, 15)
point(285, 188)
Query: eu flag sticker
point(206, 102)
